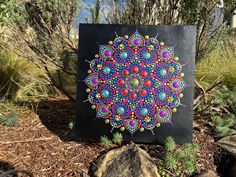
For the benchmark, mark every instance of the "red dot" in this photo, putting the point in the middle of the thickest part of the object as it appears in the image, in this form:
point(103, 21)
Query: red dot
point(147, 83)
point(135, 69)
point(133, 96)
point(125, 72)
point(143, 92)
point(121, 82)
point(124, 91)
point(144, 73)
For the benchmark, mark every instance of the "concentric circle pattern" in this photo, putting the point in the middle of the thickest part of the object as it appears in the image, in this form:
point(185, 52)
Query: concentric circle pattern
point(135, 83)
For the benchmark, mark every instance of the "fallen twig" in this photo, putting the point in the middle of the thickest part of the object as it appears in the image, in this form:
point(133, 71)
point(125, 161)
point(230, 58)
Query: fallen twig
point(26, 141)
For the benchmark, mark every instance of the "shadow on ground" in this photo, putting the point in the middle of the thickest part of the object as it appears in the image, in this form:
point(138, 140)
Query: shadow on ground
point(6, 166)
point(56, 114)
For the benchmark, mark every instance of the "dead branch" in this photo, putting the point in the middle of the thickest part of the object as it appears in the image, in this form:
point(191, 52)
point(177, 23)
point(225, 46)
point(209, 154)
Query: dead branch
point(26, 141)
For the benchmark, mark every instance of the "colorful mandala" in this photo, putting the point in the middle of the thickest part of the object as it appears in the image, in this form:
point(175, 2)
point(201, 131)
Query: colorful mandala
point(135, 83)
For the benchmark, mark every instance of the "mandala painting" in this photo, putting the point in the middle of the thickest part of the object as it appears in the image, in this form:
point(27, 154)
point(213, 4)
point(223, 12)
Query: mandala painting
point(135, 83)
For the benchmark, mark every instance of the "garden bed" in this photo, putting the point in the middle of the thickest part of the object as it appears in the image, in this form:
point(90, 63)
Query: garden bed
point(44, 144)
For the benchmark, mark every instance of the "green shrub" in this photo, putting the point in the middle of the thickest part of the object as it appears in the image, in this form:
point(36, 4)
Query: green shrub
point(170, 144)
point(223, 125)
point(220, 63)
point(8, 113)
point(21, 80)
point(117, 138)
point(180, 161)
point(105, 141)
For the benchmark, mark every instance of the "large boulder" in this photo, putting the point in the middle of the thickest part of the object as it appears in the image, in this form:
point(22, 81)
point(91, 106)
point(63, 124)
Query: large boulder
point(229, 143)
point(128, 160)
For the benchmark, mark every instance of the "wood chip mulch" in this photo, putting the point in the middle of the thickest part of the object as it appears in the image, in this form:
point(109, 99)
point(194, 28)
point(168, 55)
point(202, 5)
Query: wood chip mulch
point(44, 144)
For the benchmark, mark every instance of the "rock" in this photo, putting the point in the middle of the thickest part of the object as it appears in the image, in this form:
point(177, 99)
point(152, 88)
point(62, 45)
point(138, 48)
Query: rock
point(207, 173)
point(128, 160)
point(229, 143)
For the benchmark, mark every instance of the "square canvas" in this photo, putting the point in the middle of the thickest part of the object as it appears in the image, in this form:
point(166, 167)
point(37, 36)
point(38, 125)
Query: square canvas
point(136, 79)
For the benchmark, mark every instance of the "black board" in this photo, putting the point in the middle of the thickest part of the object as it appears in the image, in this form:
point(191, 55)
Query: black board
point(184, 39)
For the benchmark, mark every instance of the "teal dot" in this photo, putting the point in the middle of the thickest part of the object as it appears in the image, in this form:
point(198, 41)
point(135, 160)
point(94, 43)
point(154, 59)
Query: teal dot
point(106, 70)
point(147, 55)
point(120, 110)
point(144, 111)
point(105, 93)
point(163, 72)
point(123, 55)
point(162, 95)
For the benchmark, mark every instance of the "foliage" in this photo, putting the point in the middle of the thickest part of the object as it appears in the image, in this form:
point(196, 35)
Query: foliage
point(20, 80)
point(8, 114)
point(185, 12)
point(105, 141)
point(170, 144)
point(95, 12)
point(42, 32)
point(223, 125)
point(117, 138)
point(220, 63)
point(180, 161)
point(5, 11)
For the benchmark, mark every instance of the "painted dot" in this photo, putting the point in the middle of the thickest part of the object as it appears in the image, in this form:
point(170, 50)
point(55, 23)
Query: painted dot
point(122, 129)
point(143, 92)
point(134, 82)
point(93, 106)
point(106, 70)
point(107, 121)
point(125, 72)
point(133, 96)
point(94, 80)
point(162, 113)
point(165, 54)
point(163, 72)
point(107, 53)
point(87, 90)
point(136, 42)
point(123, 55)
point(144, 111)
point(162, 95)
point(105, 93)
point(147, 55)
point(132, 123)
point(147, 83)
point(176, 84)
point(181, 95)
point(104, 109)
point(135, 69)
point(141, 129)
point(124, 91)
point(120, 110)
point(121, 82)
point(144, 73)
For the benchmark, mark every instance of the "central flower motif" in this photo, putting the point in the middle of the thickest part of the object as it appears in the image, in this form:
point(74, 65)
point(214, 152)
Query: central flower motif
point(135, 83)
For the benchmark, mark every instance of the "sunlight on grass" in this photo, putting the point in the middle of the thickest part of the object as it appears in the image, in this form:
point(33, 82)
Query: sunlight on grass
point(219, 64)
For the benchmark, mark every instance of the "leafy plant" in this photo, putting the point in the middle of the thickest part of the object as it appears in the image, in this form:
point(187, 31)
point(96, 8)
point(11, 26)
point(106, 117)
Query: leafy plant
point(170, 144)
point(105, 141)
point(223, 125)
point(20, 80)
point(8, 114)
point(117, 138)
point(181, 160)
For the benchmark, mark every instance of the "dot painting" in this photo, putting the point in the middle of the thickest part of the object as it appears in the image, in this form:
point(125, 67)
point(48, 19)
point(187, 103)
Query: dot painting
point(135, 83)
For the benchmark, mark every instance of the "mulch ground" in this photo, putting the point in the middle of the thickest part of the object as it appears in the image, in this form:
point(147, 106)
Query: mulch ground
point(43, 143)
